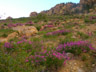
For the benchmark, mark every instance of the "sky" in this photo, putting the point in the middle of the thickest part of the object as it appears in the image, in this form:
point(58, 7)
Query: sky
point(23, 8)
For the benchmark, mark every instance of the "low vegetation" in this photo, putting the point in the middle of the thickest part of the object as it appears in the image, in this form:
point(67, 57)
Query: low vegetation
point(49, 49)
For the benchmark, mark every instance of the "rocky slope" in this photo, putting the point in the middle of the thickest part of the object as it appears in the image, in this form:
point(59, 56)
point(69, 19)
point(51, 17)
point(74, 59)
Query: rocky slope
point(71, 8)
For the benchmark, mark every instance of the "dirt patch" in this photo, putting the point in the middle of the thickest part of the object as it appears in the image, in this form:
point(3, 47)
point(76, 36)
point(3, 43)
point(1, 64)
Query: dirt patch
point(73, 66)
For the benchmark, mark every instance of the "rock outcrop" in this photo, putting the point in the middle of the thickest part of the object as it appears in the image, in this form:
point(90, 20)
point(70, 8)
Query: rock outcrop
point(9, 17)
point(12, 35)
point(68, 8)
point(26, 30)
point(2, 40)
point(71, 8)
point(89, 3)
point(33, 14)
point(9, 37)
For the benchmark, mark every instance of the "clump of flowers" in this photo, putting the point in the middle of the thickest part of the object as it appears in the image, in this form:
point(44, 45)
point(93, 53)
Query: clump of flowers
point(20, 24)
point(58, 56)
point(63, 32)
point(48, 26)
point(36, 59)
point(8, 46)
point(29, 23)
point(75, 47)
point(23, 44)
point(92, 17)
point(48, 58)
point(90, 33)
point(14, 25)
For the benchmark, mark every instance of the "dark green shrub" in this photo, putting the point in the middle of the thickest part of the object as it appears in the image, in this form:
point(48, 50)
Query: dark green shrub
point(84, 58)
point(5, 24)
point(38, 27)
point(4, 35)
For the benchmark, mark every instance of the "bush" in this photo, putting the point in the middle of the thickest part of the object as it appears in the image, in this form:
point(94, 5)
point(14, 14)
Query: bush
point(82, 35)
point(36, 21)
point(5, 24)
point(38, 27)
point(9, 47)
point(84, 58)
point(5, 32)
point(59, 32)
point(24, 45)
point(41, 16)
point(65, 40)
point(75, 47)
point(49, 59)
point(90, 19)
point(4, 35)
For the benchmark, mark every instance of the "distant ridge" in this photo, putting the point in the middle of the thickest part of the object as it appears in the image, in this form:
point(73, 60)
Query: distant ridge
point(71, 8)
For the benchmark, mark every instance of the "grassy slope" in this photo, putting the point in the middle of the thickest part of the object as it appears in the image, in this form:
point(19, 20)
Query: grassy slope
point(14, 60)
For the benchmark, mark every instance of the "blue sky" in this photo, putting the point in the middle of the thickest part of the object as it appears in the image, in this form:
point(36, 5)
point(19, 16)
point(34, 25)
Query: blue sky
point(22, 8)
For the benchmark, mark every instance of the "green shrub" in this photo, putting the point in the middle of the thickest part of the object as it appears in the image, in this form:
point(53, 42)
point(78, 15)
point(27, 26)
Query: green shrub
point(65, 40)
point(82, 35)
point(36, 21)
point(84, 58)
point(76, 48)
point(95, 33)
point(5, 32)
point(86, 20)
point(90, 19)
point(4, 35)
point(49, 59)
point(41, 16)
point(5, 24)
point(38, 27)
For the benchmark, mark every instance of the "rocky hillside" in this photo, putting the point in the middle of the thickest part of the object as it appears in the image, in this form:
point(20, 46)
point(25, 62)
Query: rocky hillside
point(50, 43)
point(54, 43)
point(71, 8)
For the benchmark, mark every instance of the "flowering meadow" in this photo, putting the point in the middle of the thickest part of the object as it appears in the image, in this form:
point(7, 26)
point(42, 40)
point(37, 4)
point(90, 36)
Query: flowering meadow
point(52, 48)
point(50, 58)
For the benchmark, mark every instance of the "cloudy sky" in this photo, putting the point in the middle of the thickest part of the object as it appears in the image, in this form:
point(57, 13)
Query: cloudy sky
point(22, 8)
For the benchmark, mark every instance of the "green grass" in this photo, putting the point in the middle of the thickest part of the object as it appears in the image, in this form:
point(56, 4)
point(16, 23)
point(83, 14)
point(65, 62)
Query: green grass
point(88, 20)
point(66, 39)
point(82, 35)
point(82, 26)
point(84, 58)
point(5, 32)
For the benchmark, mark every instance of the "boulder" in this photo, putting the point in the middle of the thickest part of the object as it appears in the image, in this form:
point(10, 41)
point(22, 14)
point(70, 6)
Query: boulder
point(70, 55)
point(9, 17)
point(12, 35)
point(32, 14)
point(26, 30)
point(2, 40)
point(3, 27)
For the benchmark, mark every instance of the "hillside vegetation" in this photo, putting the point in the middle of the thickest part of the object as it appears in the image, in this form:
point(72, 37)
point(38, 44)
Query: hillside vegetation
point(57, 40)
point(61, 41)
